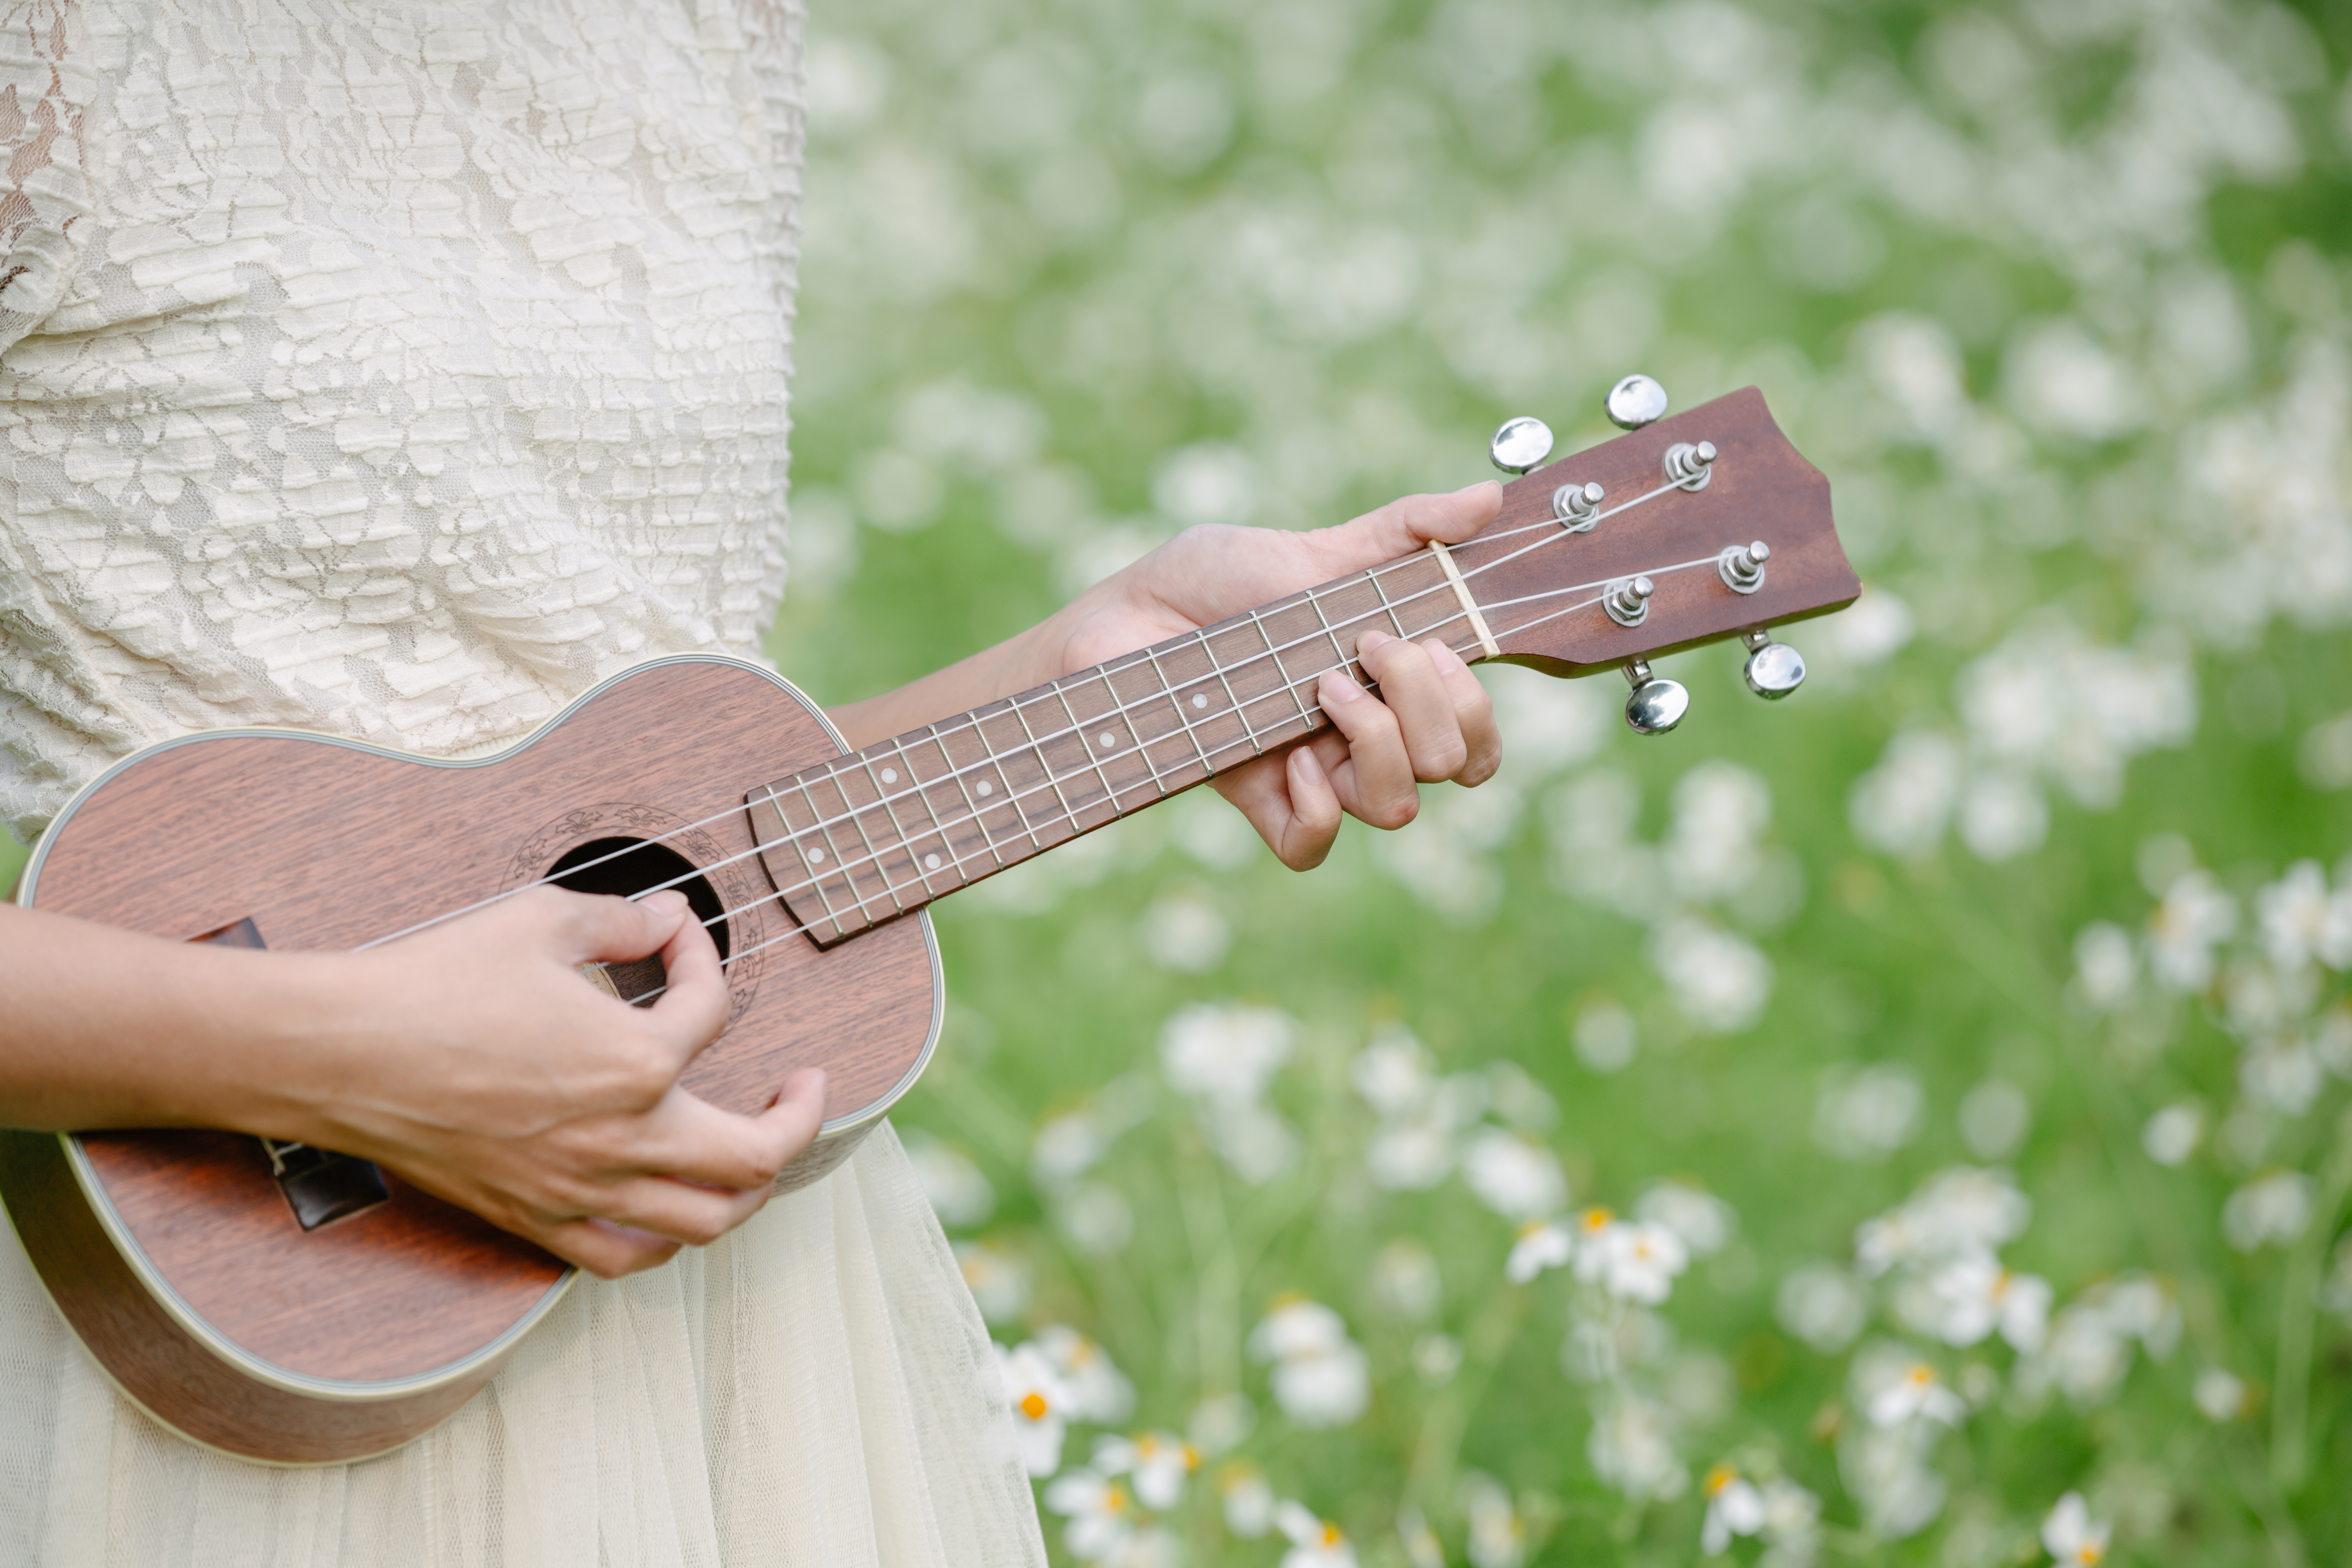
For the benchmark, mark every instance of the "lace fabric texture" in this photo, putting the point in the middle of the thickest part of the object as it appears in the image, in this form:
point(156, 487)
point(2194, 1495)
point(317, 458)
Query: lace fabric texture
point(398, 371)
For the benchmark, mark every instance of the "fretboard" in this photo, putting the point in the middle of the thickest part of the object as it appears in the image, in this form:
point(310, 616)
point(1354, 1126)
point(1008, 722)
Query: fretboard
point(882, 832)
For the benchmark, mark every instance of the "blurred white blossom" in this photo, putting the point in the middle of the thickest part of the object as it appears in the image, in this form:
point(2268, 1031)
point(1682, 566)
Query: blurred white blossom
point(2173, 1134)
point(959, 1193)
point(1314, 1543)
point(999, 1282)
point(2301, 922)
point(1041, 1405)
point(1248, 1501)
point(2194, 918)
point(1869, 1112)
point(2071, 1536)
point(2269, 1211)
point(1498, 1536)
point(1631, 1448)
point(1320, 1376)
point(1094, 1389)
point(1822, 1305)
point(2219, 1395)
point(1720, 980)
point(1540, 1245)
point(1513, 1174)
point(1703, 1222)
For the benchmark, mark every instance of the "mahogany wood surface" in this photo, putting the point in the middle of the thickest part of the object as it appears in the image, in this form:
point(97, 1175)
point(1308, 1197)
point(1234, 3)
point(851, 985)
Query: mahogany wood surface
point(326, 847)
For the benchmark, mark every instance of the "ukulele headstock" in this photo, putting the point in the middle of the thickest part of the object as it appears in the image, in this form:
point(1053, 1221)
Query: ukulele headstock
point(1687, 529)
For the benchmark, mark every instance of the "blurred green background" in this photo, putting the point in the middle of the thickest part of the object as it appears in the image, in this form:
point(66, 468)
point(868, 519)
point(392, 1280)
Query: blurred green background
point(2055, 296)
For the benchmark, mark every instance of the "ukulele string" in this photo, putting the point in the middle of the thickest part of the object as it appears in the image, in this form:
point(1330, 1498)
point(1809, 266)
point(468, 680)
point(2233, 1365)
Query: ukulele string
point(794, 926)
point(1052, 780)
point(1374, 573)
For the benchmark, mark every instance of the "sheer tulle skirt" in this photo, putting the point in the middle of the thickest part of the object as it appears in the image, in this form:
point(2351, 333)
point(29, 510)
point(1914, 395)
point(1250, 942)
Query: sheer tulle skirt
point(816, 1389)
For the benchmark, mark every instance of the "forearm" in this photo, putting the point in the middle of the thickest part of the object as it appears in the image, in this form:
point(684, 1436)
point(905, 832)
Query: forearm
point(1016, 664)
point(108, 1029)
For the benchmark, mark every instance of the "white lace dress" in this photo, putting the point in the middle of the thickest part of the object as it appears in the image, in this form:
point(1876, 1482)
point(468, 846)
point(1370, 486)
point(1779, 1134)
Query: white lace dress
point(397, 371)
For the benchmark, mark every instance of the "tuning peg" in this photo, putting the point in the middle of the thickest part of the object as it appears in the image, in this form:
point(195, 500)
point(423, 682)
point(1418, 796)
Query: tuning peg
point(1634, 402)
point(1690, 466)
point(1655, 705)
point(1741, 566)
point(1577, 508)
point(1520, 444)
point(1627, 600)
point(1773, 669)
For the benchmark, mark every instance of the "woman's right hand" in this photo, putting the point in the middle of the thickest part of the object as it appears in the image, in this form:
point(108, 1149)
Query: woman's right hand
point(534, 1098)
point(472, 1060)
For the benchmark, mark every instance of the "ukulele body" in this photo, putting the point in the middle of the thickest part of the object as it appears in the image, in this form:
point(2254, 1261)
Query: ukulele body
point(176, 1257)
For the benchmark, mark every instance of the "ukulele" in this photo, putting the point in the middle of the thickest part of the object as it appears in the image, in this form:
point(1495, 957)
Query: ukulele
point(295, 1305)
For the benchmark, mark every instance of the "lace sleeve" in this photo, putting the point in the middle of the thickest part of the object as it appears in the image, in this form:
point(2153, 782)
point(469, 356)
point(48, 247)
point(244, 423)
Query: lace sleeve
point(45, 90)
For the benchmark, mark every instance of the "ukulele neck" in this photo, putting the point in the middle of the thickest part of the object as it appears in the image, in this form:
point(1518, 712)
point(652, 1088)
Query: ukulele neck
point(882, 832)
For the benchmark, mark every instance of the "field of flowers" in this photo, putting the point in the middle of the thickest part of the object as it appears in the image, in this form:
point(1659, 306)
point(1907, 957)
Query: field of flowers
point(1909, 1123)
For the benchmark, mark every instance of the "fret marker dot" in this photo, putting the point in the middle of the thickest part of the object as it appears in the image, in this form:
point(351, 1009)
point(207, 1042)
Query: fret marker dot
point(1107, 740)
point(815, 855)
point(889, 775)
point(1199, 700)
point(930, 862)
point(986, 789)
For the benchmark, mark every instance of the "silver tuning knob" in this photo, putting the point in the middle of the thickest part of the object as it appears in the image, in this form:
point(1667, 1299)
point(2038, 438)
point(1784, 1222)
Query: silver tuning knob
point(1520, 445)
point(1636, 400)
point(1773, 669)
point(1655, 705)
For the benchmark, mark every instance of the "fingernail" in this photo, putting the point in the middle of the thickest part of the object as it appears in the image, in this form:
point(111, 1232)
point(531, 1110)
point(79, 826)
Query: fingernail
point(1336, 688)
point(1443, 656)
point(1372, 639)
point(668, 901)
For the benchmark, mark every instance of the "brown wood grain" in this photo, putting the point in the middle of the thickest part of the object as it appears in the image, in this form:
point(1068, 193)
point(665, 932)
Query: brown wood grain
point(325, 847)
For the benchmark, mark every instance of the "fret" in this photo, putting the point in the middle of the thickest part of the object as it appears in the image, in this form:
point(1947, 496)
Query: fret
point(973, 812)
point(873, 857)
point(925, 862)
point(973, 788)
point(1176, 703)
point(1373, 577)
point(1084, 732)
point(1329, 635)
point(1045, 761)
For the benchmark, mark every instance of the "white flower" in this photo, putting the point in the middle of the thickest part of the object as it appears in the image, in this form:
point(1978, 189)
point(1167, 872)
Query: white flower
point(1631, 1448)
point(1436, 1358)
point(2284, 1075)
point(1067, 1146)
point(1605, 1036)
point(1821, 1305)
point(1258, 1144)
point(1916, 1394)
point(2002, 815)
point(1542, 1245)
point(1159, 1463)
point(1314, 1543)
point(1041, 1405)
point(1870, 1113)
point(2104, 965)
point(1394, 1073)
point(2269, 1210)
point(1249, 1501)
point(1703, 1221)
point(1721, 812)
point(1322, 1378)
point(998, 1282)
point(2090, 1342)
point(1100, 1512)
point(1405, 1278)
point(1995, 1117)
point(1517, 1177)
point(1735, 1505)
point(2301, 922)
point(1498, 1537)
point(1791, 1524)
point(1410, 1155)
point(1096, 1389)
point(1225, 1053)
point(2071, 1536)
point(1901, 805)
point(1958, 1212)
point(1973, 1296)
point(2219, 1395)
point(1638, 1261)
point(2173, 1134)
point(959, 1193)
point(2194, 918)
point(1720, 981)
point(1885, 1470)
point(1182, 931)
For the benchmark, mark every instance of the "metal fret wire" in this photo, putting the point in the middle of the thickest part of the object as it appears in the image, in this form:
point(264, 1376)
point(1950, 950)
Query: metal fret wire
point(1548, 528)
point(796, 927)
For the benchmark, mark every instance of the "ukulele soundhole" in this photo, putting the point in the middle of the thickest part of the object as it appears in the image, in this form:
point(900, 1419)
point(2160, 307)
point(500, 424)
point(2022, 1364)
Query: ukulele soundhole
point(622, 866)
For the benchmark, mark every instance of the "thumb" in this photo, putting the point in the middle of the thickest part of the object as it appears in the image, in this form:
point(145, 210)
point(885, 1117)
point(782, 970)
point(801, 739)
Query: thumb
point(601, 927)
point(1406, 524)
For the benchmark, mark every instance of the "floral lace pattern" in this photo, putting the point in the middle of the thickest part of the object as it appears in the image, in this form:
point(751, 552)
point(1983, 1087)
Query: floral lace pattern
point(390, 372)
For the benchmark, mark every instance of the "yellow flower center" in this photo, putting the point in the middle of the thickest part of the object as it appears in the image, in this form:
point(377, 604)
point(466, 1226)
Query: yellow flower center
point(1920, 1376)
point(1114, 1499)
point(2089, 1553)
point(1033, 1405)
point(1597, 1219)
point(1720, 1478)
point(1332, 1536)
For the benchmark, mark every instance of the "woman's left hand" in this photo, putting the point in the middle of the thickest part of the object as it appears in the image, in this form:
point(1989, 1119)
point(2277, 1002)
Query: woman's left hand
point(1431, 720)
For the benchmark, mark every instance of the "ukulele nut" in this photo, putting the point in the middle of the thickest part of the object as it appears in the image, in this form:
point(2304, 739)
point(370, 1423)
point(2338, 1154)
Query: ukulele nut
point(1690, 466)
point(1627, 600)
point(1576, 508)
